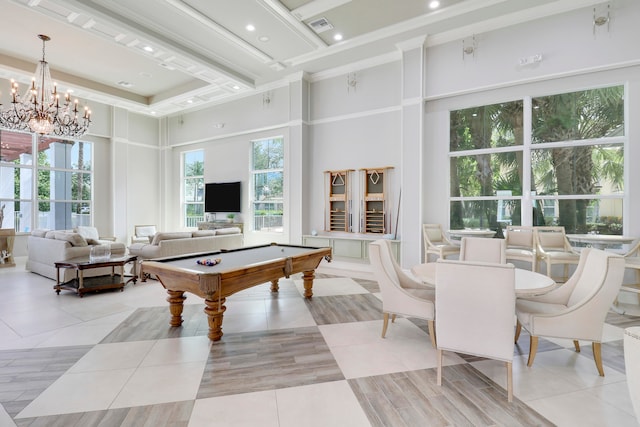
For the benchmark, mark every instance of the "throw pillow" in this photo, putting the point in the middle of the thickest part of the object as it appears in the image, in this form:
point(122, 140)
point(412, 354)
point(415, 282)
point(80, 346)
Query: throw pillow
point(88, 232)
point(40, 232)
point(74, 238)
point(51, 234)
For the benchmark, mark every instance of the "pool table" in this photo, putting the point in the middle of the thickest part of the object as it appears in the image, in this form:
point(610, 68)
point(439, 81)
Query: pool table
point(238, 269)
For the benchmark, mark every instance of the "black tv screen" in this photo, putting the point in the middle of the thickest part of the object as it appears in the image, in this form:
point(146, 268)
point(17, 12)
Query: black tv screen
point(222, 197)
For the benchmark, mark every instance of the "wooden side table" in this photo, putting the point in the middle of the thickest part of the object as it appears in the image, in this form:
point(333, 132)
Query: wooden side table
point(82, 285)
point(7, 236)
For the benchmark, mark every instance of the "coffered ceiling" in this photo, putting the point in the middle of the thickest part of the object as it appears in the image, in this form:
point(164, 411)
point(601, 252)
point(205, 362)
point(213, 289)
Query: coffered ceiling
point(164, 56)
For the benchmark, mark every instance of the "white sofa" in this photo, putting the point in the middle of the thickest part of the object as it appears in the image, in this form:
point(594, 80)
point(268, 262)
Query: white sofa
point(46, 247)
point(188, 242)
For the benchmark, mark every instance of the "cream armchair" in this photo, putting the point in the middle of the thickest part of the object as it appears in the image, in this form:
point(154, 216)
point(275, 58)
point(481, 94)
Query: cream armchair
point(553, 247)
point(143, 233)
point(521, 245)
point(483, 250)
point(400, 293)
point(435, 242)
point(475, 306)
point(577, 309)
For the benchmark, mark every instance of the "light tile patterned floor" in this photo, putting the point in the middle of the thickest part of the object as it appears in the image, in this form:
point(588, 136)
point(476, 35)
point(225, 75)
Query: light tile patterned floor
point(111, 359)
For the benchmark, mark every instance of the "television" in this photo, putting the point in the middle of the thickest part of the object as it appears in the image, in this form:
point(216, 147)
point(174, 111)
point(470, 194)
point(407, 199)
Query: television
point(222, 197)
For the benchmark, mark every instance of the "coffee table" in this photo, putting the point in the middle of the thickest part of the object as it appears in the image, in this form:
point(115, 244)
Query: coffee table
point(81, 285)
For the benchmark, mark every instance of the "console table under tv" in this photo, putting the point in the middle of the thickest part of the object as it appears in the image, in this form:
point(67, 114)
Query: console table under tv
point(213, 225)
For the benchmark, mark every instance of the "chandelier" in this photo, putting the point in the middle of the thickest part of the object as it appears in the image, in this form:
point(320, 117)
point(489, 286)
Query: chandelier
point(40, 109)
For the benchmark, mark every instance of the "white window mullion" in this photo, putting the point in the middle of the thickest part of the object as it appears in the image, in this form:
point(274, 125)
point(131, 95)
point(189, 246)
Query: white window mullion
point(527, 202)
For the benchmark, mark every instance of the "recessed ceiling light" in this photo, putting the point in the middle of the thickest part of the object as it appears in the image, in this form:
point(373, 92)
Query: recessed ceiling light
point(153, 113)
point(167, 66)
point(124, 83)
point(189, 101)
point(148, 49)
point(236, 87)
point(434, 4)
point(264, 39)
point(337, 37)
point(250, 27)
point(146, 75)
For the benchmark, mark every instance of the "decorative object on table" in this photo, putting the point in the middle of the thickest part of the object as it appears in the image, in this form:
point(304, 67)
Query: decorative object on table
point(577, 309)
point(41, 109)
point(7, 237)
point(100, 253)
point(210, 262)
point(230, 217)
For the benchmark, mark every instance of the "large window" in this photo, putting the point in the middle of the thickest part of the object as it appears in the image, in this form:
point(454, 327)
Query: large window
point(566, 168)
point(193, 187)
point(267, 169)
point(49, 189)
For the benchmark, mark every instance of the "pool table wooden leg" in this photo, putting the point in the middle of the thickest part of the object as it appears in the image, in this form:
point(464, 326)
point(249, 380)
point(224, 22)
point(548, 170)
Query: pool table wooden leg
point(215, 312)
point(176, 300)
point(307, 280)
point(274, 286)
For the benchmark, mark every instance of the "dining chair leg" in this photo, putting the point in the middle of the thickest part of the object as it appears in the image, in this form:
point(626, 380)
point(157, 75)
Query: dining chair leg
point(385, 323)
point(597, 356)
point(533, 348)
point(518, 330)
point(393, 318)
point(439, 359)
point(576, 344)
point(509, 382)
point(432, 332)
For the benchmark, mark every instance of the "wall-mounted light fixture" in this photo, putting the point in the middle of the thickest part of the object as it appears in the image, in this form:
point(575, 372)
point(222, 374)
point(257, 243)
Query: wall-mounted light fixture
point(352, 81)
point(266, 99)
point(469, 47)
point(601, 17)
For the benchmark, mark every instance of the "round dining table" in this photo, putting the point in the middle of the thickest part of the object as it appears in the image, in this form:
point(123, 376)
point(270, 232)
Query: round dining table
point(600, 241)
point(527, 283)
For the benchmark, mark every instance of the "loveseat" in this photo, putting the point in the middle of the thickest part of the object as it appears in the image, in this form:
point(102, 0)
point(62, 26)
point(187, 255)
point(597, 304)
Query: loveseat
point(187, 242)
point(46, 247)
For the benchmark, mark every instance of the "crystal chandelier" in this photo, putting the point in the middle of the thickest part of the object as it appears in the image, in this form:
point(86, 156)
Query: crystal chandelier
point(40, 109)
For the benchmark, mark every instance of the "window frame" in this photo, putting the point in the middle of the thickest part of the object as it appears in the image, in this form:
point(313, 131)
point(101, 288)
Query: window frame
point(253, 173)
point(529, 200)
point(193, 223)
point(35, 200)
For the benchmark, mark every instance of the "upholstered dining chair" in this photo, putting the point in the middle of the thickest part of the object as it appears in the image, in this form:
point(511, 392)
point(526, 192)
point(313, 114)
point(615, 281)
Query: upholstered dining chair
point(483, 250)
point(521, 245)
point(475, 308)
point(401, 294)
point(436, 242)
point(553, 247)
point(632, 261)
point(142, 233)
point(577, 309)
